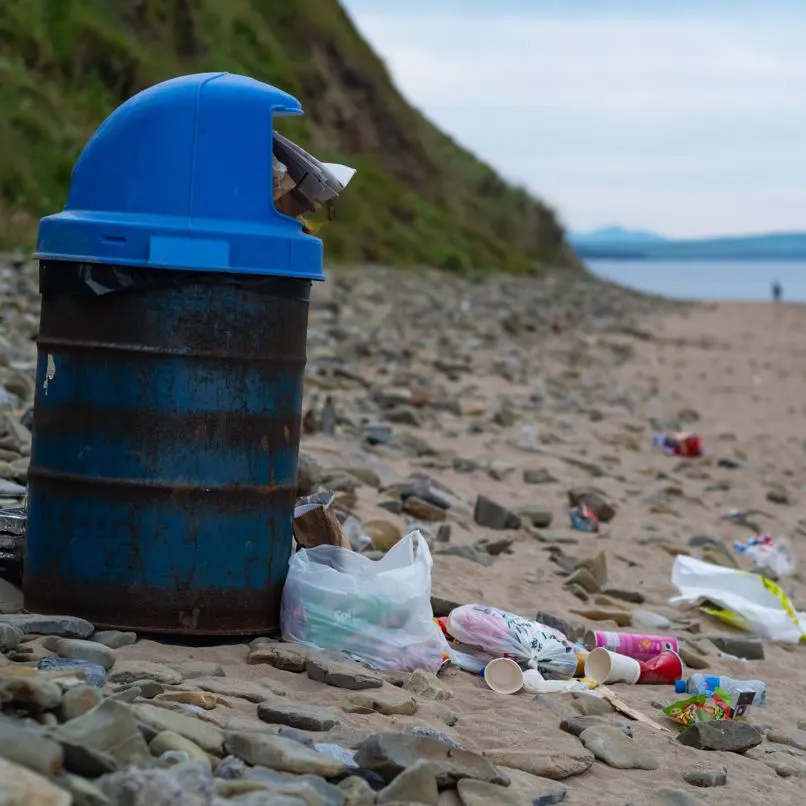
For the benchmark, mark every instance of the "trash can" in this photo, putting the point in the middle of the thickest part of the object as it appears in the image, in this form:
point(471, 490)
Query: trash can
point(171, 356)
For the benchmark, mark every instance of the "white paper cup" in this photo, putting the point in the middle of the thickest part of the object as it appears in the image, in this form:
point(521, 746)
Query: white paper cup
point(605, 666)
point(503, 676)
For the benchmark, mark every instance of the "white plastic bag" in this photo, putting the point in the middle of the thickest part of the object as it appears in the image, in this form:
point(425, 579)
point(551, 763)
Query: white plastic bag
point(377, 611)
point(750, 601)
point(503, 634)
point(772, 555)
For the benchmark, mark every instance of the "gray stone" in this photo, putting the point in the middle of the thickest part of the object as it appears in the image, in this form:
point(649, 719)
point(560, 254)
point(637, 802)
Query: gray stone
point(79, 649)
point(93, 674)
point(576, 725)
point(288, 733)
point(596, 564)
point(234, 687)
point(740, 646)
point(168, 741)
point(538, 476)
point(585, 579)
point(389, 754)
point(633, 597)
point(334, 671)
point(595, 500)
point(432, 733)
point(22, 787)
point(388, 703)
point(427, 685)
point(64, 626)
point(10, 637)
point(480, 793)
point(148, 688)
point(539, 517)
point(416, 784)
point(650, 621)
point(590, 705)
point(310, 789)
point(190, 669)
point(129, 671)
point(560, 758)
point(30, 748)
point(706, 776)
point(790, 738)
point(443, 607)
point(281, 754)
point(32, 693)
point(357, 791)
point(297, 715)
point(78, 700)
point(156, 719)
point(188, 784)
point(565, 627)
point(494, 516)
point(423, 510)
point(495, 547)
point(288, 657)
point(778, 494)
point(726, 735)
point(467, 553)
point(84, 793)
point(114, 639)
point(616, 749)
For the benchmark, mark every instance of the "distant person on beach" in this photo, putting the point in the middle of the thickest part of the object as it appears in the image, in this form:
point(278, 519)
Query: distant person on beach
point(777, 291)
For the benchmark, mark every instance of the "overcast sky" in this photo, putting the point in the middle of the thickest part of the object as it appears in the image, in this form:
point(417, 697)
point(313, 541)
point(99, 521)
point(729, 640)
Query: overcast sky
point(688, 119)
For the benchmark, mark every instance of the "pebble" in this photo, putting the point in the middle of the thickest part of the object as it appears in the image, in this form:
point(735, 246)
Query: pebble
point(427, 686)
point(148, 688)
point(32, 693)
point(77, 700)
point(129, 671)
point(233, 687)
point(79, 649)
point(432, 733)
point(199, 699)
point(539, 517)
point(706, 776)
point(288, 657)
point(22, 787)
point(590, 705)
point(558, 759)
point(168, 741)
point(576, 725)
point(63, 626)
point(327, 668)
point(747, 647)
point(538, 476)
point(416, 784)
point(730, 736)
point(283, 755)
point(423, 510)
point(94, 675)
point(615, 749)
point(297, 715)
point(467, 553)
point(383, 534)
point(31, 749)
point(790, 738)
point(494, 516)
point(114, 639)
point(207, 736)
point(386, 703)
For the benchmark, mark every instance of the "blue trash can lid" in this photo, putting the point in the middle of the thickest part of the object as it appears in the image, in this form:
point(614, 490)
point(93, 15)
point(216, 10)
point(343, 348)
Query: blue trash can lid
point(180, 177)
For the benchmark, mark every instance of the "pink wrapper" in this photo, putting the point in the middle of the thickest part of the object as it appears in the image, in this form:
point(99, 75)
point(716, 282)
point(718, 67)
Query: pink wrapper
point(640, 647)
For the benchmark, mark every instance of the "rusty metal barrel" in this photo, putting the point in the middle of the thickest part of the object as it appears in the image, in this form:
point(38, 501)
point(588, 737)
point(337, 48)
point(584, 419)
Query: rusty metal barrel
point(171, 360)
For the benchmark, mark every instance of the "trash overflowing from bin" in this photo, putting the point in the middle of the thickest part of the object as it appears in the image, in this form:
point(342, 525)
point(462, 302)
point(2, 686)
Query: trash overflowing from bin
point(683, 443)
point(773, 556)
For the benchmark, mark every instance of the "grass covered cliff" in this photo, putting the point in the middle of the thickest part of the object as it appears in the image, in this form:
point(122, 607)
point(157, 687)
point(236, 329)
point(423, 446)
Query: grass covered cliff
point(418, 198)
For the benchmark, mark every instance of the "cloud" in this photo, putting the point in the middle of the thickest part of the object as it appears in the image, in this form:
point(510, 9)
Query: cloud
point(657, 119)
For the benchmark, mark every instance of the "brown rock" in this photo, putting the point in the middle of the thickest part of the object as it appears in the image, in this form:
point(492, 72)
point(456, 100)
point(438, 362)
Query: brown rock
point(288, 657)
point(201, 699)
point(427, 685)
point(383, 534)
point(22, 787)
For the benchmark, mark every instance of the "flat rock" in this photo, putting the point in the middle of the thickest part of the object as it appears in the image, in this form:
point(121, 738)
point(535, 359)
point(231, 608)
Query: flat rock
point(64, 626)
point(467, 553)
point(557, 759)
point(480, 793)
point(649, 620)
point(494, 516)
point(576, 725)
point(416, 784)
point(22, 787)
point(334, 671)
point(281, 754)
point(790, 738)
point(24, 745)
point(388, 754)
point(31, 693)
point(297, 715)
point(538, 476)
point(726, 735)
point(288, 657)
point(234, 687)
point(190, 669)
point(80, 649)
point(357, 791)
point(168, 741)
point(539, 517)
point(77, 700)
point(207, 736)
point(388, 702)
point(590, 705)
point(706, 776)
point(310, 790)
point(427, 685)
point(616, 749)
point(114, 639)
point(740, 646)
point(127, 671)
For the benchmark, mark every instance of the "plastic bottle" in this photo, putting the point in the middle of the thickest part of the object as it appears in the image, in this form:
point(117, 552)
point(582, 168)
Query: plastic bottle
point(705, 683)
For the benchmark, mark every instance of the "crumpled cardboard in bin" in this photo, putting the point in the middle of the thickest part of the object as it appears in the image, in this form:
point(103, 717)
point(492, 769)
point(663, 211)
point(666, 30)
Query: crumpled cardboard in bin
point(316, 525)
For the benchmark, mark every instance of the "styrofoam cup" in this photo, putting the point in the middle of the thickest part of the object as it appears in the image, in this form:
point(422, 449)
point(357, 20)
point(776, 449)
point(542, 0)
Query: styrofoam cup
point(605, 666)
point(503, 676)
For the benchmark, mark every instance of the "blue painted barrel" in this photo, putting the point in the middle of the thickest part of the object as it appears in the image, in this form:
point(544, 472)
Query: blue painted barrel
point(169, 379)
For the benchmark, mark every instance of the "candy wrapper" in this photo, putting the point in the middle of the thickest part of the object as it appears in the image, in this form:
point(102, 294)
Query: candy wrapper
point(583, 520)
point(700, 708)
point(769, 554)
point(683, 443)
point(506, 635)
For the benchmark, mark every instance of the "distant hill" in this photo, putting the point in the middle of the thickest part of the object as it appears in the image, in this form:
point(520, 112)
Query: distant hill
point(615, 235)
point(776, 246)
point(418, 197)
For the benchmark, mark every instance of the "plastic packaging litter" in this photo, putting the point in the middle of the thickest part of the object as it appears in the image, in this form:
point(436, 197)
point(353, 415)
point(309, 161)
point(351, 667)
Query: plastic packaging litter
point(683, 443)
point(700, 708)
point(705, 683)
point(377, 611)
point(503, 634)
point(774, 555)
point(94, 673)
point(745, 600)
point(535, 683)
point(583, 519)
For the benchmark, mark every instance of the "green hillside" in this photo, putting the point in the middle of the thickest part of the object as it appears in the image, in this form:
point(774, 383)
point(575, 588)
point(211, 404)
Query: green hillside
point(417, 197)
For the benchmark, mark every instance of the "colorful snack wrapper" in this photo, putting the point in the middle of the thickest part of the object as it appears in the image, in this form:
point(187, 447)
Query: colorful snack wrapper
point(700, 708)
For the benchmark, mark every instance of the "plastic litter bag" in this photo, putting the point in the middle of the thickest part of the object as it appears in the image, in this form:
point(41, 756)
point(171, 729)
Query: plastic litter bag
point(748, 601)
point(774, 555)
point(503, 634)
point(377, 611)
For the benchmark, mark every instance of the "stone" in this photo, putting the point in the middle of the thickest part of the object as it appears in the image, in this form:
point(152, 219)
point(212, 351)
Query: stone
point(388, 754)
point(790, 738)
point(467, 553)
point(64, 626)
point(297, 715)
point(387, 703)
point(494, 516)
point(79, 649)
point(726, 735)
point(416, 784)
point(198, 699)
point(443, 607)
point(692, 659)
point(92, 673)
point(22, 787)
point(496, 546)
point(148, 688)
point(499, 469)
point(538, 476)
point(558, 759)
point(427, 685)
point(778, 494)
point(76, 701)
point(128, 671)
point(25, 746)
point(32, 693)
point(596, 565)
point(283, 755)
point(585, 579)
point(539, 517)
point(633, 597)
point(576, 725)
point(234, 687)
point(748, 647)
point(114, 639)
point(480, 793)
point(616, 749)
point(10, 637)
point(167, 741)
point(10, 597)
point(595, 500)
point(357, 791)
point(309, 790)
point(207, 736)
point(706, 776)
point(190, 669)
point(650, 621)
point(432, 733)
point(565, 627)
point(383, 534)
point(84, 792)
point(589, 704)
point(423, 510)
point(288, 657)
point(332, 670)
